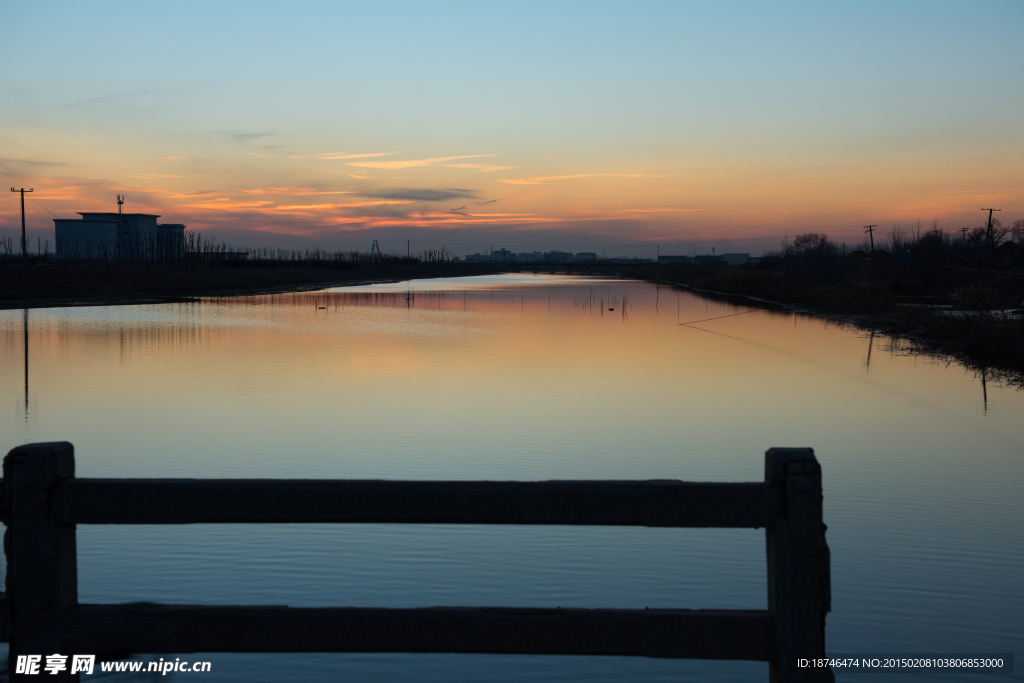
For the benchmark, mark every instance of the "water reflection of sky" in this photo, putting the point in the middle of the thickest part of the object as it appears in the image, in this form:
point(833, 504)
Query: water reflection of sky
point(531, 377)
point(483, 282)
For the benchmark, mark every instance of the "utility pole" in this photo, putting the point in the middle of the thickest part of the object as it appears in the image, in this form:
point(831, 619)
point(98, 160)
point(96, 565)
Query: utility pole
point(407, 252)
point(988, 231)
point(24, 244)
point(870, 230)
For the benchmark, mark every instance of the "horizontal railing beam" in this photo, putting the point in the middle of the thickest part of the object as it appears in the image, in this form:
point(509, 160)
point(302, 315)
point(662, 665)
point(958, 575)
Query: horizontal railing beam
point(120, 630)
point(656, 503)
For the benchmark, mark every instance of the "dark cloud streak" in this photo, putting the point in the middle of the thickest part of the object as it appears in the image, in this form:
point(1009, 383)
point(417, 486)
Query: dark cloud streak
point(242, 138)
point(416, 195)
point(30, 162)
point(111, 97)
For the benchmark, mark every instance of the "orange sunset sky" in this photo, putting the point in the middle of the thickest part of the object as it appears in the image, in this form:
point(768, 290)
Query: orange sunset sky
point(622, 127)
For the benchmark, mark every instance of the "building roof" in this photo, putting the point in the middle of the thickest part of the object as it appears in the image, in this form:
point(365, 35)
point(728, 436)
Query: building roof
point(83, 214)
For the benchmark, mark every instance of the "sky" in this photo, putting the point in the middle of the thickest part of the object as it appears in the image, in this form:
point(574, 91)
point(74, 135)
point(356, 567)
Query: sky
point(630, 128)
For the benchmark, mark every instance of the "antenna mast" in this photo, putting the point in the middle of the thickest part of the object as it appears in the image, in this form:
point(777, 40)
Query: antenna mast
point(120, 201)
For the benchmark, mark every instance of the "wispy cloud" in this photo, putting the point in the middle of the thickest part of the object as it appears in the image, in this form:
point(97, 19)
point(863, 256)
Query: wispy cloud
point(295, 191)
point(110, 97)
point(226, 204)
point(480, 168)
point(330, 156)
point(180, 195)
point(413, 163)
point(346, 205)
point(242, 138)
point(660, 210)
point(189, 195)
point(440, 220)
point(423, 195)
point(546, 179)
point(343, 155)
point(30, 162)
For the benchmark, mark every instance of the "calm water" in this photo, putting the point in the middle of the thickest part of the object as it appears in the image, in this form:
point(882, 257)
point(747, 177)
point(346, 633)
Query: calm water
point(530, 377)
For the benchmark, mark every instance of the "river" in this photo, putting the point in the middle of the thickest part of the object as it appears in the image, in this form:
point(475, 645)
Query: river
point(531, 377)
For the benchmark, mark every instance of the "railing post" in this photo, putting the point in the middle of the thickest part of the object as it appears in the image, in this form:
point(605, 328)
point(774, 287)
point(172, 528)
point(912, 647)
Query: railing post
point(42, 581)
point(799, 585)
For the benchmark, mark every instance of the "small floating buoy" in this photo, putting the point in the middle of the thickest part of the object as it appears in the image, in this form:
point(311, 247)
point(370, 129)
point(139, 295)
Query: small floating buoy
point(611, 309)
point(322, 308)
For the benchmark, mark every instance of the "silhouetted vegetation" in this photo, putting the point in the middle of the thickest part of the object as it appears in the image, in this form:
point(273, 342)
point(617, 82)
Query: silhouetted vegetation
point(199, 266)
point(960, 294)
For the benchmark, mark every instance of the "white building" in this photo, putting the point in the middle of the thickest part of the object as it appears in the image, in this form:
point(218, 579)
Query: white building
point(117, 235)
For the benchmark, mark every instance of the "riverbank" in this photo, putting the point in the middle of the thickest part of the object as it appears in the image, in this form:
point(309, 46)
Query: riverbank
point(982, 326)
point(53, 285)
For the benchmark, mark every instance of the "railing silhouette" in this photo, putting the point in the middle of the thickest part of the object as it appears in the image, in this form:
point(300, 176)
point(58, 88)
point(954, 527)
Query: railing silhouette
point(42, 501)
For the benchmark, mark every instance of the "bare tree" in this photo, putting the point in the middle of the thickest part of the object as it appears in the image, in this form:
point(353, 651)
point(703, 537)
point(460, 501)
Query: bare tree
point(1018, 231)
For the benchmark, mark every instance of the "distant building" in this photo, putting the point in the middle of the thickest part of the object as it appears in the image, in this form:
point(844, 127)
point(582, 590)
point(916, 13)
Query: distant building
point(736, 259)
point(669, 258)
point(117, 236)
point(531, 256)
point(503, 256)
point(558, 256)
point(586, 257)
point(478, 258)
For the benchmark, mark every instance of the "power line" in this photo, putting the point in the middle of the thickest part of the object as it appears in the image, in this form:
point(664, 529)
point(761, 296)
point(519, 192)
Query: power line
point(742, 312)
point(36, 201)
point(39, 213)
point(1013, 215)
point(949, 225)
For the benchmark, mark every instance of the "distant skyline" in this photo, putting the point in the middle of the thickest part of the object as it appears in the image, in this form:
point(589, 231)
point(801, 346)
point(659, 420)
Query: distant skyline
point(575, 126)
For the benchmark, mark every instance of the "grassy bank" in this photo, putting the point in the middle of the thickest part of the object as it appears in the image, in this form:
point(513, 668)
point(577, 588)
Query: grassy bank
point(54, 284)
point(974, 315)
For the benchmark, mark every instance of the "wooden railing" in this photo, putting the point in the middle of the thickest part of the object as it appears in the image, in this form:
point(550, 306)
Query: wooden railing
point(42, 501)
